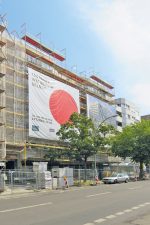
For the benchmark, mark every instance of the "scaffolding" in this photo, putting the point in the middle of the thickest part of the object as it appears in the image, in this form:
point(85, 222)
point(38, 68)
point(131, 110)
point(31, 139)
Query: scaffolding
point(2, 91)
point(16, 55)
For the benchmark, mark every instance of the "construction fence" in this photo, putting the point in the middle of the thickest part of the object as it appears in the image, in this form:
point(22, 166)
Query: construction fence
point(29, 180)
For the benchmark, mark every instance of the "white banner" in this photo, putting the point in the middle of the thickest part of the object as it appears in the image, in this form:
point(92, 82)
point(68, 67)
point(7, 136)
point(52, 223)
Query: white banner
point(51, 104)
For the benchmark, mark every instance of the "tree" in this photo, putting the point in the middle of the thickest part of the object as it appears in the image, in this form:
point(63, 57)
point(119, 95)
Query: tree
point(79, 135)
point(104, 134)
point(53, 154)
point(82, 138)
point(134, 142)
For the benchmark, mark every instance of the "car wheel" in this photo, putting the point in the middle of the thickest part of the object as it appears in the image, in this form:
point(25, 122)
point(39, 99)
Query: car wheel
point(115, 181)
point(126, 181)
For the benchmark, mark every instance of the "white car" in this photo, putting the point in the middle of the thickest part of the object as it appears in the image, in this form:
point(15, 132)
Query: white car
point(116, 178)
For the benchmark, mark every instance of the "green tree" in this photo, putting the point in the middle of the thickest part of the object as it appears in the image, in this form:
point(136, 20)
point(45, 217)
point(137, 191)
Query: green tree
point(53, 154)
point(83, 139)
point(79, 136)
point(134, 142)
point(104, 133)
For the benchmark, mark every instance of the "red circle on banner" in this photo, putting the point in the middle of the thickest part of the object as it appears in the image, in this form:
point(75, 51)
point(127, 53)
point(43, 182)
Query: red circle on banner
point(62, 105)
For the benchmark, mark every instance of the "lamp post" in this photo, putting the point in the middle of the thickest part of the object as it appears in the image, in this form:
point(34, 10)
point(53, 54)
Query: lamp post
point(100, 126)
point(108, 119)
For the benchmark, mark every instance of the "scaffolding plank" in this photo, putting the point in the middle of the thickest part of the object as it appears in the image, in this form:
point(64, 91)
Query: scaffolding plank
point(97, 79)
point(42, 47)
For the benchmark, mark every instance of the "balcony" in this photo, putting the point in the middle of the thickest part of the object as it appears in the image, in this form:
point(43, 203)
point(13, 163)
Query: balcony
point(118, 109)
point(119, 119)
point(83, 106)
point(100, 86)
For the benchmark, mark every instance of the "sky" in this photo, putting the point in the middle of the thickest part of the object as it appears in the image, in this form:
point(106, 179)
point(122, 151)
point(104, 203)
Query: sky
point(110, 38)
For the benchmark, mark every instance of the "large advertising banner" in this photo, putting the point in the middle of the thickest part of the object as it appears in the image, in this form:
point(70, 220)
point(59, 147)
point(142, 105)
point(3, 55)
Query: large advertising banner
point(98, 111)
point(51, 104)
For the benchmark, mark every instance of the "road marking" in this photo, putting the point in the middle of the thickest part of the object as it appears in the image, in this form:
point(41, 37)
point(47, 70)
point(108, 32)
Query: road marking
point(104, 193)
point(89, 224)
point(128, 210)
point(141, 205)
point(119, 213)
point(136, 207)
point(26, 207)
point(100, 220)
point(110, 217)
point(147, 203)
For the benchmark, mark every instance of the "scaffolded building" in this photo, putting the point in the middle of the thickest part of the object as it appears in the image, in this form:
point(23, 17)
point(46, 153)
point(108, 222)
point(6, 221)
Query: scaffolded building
point(18, 54)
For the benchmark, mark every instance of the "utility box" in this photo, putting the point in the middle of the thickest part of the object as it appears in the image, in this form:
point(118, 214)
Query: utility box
point(60, 174)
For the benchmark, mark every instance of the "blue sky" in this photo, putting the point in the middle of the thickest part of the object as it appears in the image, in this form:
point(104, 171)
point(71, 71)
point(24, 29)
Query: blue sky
point(109, 37)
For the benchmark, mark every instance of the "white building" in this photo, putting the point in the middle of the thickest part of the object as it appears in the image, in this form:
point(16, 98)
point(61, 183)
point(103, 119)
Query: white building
point(127, 113)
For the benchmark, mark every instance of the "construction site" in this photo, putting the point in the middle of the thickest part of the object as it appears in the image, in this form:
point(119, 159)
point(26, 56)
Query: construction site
point(18, 54)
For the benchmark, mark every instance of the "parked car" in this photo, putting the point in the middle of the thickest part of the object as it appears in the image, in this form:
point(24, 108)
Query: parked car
point(116, 178)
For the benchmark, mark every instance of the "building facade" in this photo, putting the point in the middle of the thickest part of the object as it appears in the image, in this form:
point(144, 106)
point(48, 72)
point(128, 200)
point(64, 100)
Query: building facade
point(127, 113)
point(35, 92)
point(145, 117)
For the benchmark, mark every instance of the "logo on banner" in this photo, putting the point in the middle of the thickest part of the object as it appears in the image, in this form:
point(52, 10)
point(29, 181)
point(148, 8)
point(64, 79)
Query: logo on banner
point(62, 105)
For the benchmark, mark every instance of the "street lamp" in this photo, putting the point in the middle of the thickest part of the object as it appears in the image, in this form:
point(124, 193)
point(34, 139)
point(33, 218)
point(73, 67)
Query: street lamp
point(107, 119)
point(100, 126)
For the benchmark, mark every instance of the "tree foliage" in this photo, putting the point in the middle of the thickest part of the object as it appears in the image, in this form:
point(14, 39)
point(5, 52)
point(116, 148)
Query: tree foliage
point(78, 134)
point(83, 138)
point(134, 142)
point(104, 133)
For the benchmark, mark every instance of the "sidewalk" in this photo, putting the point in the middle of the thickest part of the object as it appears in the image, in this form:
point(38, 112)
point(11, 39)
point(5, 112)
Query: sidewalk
point(9, 191)
point(19, 190)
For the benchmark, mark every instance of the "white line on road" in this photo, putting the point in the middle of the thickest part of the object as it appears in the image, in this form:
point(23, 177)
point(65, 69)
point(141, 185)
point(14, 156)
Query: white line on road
point(136, 207)
point(128, 210)
point(120, 213)
point(89, 224)
point(110, 217)
point(147, 203)
point(99, 220)
point(141, 205)
point(26, 207)
point(104, 193)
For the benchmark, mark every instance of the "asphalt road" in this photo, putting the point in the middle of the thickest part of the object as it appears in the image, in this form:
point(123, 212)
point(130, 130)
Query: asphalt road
point(117, 204)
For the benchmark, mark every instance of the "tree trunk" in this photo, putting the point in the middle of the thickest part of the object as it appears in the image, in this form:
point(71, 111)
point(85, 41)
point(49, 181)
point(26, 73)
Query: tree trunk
point(141, 170)
point(85, 169)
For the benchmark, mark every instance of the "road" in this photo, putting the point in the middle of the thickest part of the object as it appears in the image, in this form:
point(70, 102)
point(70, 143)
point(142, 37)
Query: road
point(117, 204)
